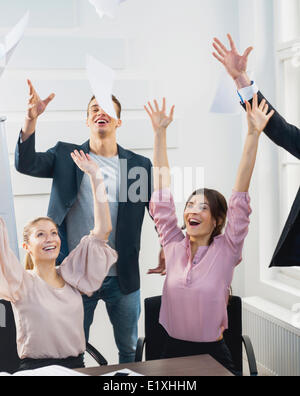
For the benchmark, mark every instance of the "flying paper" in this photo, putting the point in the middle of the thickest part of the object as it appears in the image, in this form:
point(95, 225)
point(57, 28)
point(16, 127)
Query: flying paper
point(11, 42)
point(101, 78)
point(106, 7)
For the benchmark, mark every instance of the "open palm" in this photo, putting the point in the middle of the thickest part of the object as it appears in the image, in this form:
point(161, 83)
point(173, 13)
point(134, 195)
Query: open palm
point(257, 115)
point(234, 63)
point(85, 163)
point(160, 120)
point(36, 106)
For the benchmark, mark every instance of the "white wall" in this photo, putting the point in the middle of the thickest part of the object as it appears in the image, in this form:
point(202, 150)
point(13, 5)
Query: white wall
point(158, 48)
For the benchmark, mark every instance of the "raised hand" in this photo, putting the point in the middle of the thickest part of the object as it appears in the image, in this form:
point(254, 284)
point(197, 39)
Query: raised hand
point(102, 219)
point(36, 106)
point(85, 162)
point(234, 63)
point(160, 121)
point(257, 115)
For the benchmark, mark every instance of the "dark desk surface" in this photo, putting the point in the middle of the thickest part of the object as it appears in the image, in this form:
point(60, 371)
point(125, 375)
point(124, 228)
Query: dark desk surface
point(203, 365)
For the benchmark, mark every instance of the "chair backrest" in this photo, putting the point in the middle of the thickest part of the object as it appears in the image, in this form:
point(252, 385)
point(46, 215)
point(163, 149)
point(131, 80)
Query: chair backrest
point(9, 359)
point(155, 333)
point(233, 335)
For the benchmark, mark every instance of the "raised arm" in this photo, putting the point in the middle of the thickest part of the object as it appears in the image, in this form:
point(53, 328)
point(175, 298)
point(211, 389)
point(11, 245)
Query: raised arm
point(278, 129)
point(36, 107)
point(27, 160)
point(12, 273)
point(257, 120)
point(88, 264)
point(160, 122)
point(162, 207)
point(234, 63)
point(103, 225)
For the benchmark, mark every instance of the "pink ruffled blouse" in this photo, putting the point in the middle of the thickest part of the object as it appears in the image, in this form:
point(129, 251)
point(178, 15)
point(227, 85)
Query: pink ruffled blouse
point(195, 293)
point(49, 321)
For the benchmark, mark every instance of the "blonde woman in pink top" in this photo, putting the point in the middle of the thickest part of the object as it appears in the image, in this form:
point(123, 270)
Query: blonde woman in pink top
point(200, 264)
point(46, 300)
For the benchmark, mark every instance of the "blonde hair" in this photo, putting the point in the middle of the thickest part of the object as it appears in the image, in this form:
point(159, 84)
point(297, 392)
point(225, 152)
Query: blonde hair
point(29, 265)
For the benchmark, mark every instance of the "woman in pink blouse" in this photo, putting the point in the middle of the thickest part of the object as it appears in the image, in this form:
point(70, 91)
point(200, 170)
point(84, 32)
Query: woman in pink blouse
point(47, 300)
point(200, 264)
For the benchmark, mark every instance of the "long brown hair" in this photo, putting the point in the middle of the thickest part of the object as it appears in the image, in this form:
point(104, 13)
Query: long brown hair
point(218, 208)
point(29, 265)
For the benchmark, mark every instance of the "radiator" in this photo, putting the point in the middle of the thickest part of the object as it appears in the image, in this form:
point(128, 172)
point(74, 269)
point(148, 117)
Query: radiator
point(276, 342)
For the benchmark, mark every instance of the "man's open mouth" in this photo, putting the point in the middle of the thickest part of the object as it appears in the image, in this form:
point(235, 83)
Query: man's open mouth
point(102, 121)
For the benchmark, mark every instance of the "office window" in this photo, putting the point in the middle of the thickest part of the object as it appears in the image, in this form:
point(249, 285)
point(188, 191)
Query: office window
point(287, 27)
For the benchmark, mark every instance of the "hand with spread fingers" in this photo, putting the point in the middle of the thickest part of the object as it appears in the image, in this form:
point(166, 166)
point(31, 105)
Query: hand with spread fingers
point(36, 106)
point(85, 162)
point(160, 120)
point(257, 115)
point(234, 63)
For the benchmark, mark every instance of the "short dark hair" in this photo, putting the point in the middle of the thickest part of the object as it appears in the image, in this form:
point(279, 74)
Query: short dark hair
point(114, 99)
point(218, 208)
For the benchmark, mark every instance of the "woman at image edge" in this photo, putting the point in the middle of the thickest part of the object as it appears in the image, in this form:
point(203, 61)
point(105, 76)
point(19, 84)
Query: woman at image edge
point(46, 300)
point(200, 265)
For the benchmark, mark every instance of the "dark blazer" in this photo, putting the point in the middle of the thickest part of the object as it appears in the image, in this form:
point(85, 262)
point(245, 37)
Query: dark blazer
point(287, 252)
point(57, 164)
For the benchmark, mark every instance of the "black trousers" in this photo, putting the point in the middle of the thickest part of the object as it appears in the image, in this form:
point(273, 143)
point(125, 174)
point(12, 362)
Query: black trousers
point(218, 350)
point(70, 362)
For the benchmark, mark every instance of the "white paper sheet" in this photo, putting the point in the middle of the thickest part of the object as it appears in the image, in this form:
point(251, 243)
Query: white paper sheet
point(101, 78)
point(11, 41)
point(106, 7)
point(50, 371)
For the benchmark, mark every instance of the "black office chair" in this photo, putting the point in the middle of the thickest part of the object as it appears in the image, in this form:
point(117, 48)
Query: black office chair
point(9, 359)
point(155, 334)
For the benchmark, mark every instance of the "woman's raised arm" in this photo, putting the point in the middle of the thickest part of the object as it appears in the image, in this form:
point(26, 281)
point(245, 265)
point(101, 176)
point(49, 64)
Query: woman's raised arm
point(258, 118)
point(160, 122)
point(103, 225)
point(12, 273)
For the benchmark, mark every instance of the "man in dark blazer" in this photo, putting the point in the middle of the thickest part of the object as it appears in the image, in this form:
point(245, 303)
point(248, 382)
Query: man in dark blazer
point(70, 205)
point(287, 252)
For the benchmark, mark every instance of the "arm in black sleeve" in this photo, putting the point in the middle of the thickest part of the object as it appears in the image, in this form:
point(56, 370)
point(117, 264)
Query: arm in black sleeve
point(31, 163)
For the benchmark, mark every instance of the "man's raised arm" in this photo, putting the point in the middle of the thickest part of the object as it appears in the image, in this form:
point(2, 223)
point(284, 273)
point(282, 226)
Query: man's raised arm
point(278, 129)
point(27, 160)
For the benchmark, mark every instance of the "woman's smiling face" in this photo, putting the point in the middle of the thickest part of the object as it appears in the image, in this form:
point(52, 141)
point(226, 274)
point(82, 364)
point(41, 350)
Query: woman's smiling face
point(198, 218)
point(44, 242)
